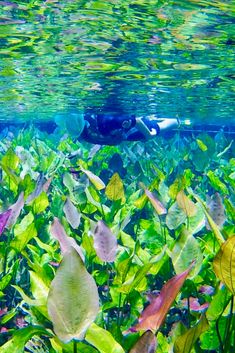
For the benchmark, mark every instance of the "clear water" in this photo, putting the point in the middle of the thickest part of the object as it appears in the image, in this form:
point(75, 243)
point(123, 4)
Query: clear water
point(170, 58)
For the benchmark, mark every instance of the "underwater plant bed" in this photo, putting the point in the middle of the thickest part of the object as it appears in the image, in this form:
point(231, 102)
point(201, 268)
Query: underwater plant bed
point(117, 249)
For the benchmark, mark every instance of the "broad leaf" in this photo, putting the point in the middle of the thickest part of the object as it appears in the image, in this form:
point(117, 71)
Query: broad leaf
point(216, 210)
point(105, 242)
point(146, 344)
point(186, 204)
point(4, 217)
point(38, 189)
point(71, 213)
point(185, 343)
point(185, 250)
point(158, 206)
point(153, 316)
point(175, 216)
point(212, 224)
point(24, 232)
point(15, 210)
point(40, 203)
point(133, 283)
point(224, 264)
point(115, 190)
point(58, 232)
point(94, 179)
point(20, 337)
point(73, 300)
point(216, 183)
point(102, 340)
point(218, 304)
point(10, 160)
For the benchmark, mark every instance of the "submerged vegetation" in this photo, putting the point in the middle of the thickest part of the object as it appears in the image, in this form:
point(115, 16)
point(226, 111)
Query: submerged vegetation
point(117, 249)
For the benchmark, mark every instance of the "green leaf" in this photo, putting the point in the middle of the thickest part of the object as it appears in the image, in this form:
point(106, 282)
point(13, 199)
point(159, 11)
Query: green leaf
point(201, 145)
point(10, 160)
point(216, 183)
point(218, 304)
point(102, 340)
point(24, 232)
point(212, 224)
point(40, 203)
point(185, 343)
point(73, 300)
point(175, 216)
point(20, 337)
point(186, 250)
point(134, 282)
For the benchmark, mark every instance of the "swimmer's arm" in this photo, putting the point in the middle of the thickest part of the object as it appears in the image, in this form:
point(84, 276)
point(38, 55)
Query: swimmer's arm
point(144, 129)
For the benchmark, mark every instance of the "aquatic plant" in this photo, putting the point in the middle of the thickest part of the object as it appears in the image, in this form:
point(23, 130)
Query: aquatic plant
point(96, 256)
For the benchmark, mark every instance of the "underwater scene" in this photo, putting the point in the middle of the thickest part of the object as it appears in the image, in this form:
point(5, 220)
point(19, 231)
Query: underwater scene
point(117, 176)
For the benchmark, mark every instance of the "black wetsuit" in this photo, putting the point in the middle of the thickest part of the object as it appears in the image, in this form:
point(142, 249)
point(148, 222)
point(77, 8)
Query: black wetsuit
point(111, 130)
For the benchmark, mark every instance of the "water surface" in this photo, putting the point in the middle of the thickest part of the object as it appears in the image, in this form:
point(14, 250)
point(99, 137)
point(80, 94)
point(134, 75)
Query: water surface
point(170, 58)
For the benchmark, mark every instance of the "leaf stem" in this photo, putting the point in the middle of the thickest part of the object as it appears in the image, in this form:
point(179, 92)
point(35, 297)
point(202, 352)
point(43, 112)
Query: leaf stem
point(119, 309)
point(75, 347)
point(228, 332)
point(218, 334)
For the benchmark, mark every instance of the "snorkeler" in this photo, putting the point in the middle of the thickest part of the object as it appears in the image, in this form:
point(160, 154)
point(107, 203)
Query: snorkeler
point(108, 129)
point(112, 130)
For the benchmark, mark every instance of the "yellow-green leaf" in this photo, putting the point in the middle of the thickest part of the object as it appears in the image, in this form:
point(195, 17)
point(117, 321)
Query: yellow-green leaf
point(102, 340)
point(224, 264)
point(10, 160)
point(24, 232)
point(115, 190)
point(73, 300)
point(186, 204)
point(94, 179)
point(185, 342)
point(40, 203)
point(201, 145)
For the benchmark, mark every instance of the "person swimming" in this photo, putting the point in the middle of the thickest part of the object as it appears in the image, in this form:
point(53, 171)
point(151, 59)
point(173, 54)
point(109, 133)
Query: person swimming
point(106, 129)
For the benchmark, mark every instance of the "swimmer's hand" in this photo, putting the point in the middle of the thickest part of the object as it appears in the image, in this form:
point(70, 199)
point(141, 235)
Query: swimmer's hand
point(143, 128)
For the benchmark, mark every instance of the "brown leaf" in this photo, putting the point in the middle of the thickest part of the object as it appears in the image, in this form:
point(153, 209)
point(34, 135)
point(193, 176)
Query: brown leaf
point(158, 206)
point(146, 343)
point(153, 316)
point(15, 210)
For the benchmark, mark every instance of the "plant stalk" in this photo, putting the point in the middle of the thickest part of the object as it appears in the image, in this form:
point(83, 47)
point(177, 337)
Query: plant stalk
point(75, 347)
point(227, 336)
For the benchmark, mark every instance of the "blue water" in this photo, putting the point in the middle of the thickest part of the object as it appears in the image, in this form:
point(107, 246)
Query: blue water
point(172, 59)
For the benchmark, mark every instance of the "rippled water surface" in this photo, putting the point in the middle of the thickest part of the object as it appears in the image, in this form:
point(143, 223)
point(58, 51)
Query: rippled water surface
point(171, 58)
